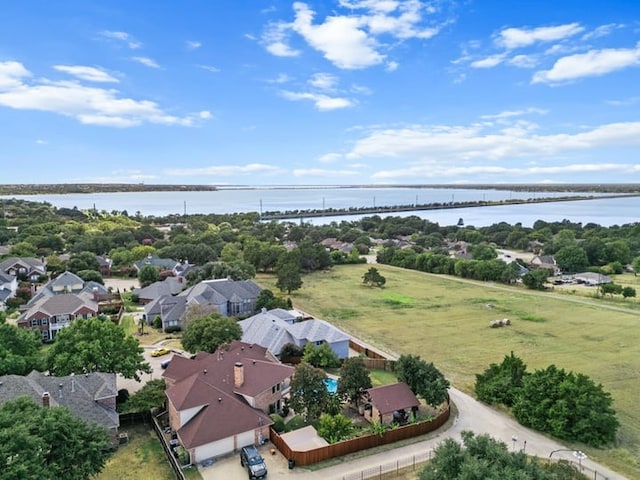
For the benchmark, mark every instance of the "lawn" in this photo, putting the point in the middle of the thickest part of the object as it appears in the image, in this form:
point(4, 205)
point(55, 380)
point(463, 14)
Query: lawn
point(142, 457)
point(446, 320)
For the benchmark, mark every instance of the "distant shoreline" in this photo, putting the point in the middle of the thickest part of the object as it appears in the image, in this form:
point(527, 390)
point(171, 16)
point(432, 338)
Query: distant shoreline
point(89, 188)
point(335, 212)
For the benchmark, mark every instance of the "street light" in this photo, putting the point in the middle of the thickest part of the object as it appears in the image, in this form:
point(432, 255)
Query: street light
point(580, 456)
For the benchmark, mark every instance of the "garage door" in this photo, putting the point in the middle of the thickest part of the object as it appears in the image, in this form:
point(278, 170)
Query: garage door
point(214, 449)
point(246, 438)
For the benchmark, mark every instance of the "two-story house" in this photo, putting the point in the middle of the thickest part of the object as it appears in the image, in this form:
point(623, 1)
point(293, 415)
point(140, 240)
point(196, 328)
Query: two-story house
point(8, 288)
point(26, 268)
point(218, 403)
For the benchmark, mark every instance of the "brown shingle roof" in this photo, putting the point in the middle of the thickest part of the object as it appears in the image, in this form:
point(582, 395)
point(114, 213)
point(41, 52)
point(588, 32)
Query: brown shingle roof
point(389, 398)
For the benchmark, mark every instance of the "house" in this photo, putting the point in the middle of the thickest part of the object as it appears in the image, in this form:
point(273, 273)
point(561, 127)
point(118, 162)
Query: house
point(546, 261)
point(591, 278)
point(224, 296)
point(275, 328)
point(157, 262)
point(217, 403)
point(59, 302)
point(390, 403)
point(8, 288)
point(105, 265)
point(168, 286)
point(24, 267)
point(91, 397)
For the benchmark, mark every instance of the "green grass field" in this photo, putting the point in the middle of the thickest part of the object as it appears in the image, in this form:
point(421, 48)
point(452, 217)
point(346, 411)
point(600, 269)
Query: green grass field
point(446, 320)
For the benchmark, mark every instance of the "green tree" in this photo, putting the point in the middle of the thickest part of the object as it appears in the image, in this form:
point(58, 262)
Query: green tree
point(354, 380)
point(566, 405)
point(628, 292)
point(536, 278)
point(320, 355)
point(483, 251)
point(83, 261)
point(309, 395)
point(266, 299)
point(147, 275)
point(501, 383)
point(572, 259)
point(373, 278)
point(96, 345)
point(151, 395)
point(289, 278)
point(48, 443)
point(423, 378)
point(482, 457)
point(19, 350)
point(334, 428)
point(206, 334)
point(91, 276)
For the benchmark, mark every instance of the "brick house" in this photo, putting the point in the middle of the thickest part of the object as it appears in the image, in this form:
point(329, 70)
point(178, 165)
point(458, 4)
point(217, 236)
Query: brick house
point(218, 403)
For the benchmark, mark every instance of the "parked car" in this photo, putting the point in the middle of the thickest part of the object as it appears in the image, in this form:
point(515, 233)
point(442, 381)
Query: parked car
point(158, 352)
point(253, 461)
point(165, 364)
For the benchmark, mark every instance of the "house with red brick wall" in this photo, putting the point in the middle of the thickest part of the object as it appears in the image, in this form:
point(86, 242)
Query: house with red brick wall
point(219, 402)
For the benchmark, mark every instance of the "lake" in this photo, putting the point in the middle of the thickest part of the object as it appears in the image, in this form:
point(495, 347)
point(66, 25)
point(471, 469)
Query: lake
point(606, 212)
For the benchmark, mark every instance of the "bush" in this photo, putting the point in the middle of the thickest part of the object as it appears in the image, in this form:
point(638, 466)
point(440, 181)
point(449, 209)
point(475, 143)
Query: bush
point(171, 329)
point(157, 322)
point(278, 422)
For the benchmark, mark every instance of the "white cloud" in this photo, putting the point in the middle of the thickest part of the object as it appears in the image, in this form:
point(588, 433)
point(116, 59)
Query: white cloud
point(511, 38)
point(275, 39)
point(225, 170)
point(91, 74)
point(39, 141)
point(193, 44)
point(322, 102)
point(205, 114)
point(601, 31)
point(391, 66)
point(89, 105)
point(146, 61)
point(463, 148)
point(330, 157)
point(323, 81)
point(339, 38)
point(514, 113)
point(209, 68)
point(281, 78)
point(523, 61)
point(589, 64)
point(131, 42)
point(319, 172)
point(489, 62)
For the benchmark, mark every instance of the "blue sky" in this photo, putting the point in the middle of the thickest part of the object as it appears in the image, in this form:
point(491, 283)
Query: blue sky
point(321, 92)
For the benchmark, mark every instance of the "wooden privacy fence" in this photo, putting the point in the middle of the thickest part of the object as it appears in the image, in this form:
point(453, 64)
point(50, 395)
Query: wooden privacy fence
point(360, 443)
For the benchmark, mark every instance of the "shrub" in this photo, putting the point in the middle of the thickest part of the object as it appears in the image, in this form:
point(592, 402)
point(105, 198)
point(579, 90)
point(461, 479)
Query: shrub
point(278, 422)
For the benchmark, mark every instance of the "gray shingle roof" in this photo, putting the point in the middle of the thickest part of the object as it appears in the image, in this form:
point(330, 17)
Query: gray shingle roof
point(79, 393)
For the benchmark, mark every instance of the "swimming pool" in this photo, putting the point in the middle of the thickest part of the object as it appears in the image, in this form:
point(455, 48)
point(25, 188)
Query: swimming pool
point(331, 384)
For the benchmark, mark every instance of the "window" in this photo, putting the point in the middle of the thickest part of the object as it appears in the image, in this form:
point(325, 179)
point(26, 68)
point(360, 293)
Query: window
point(35, 322)
point(275, 388)
point(319, 342)
point(45, 321)
point(45, 334)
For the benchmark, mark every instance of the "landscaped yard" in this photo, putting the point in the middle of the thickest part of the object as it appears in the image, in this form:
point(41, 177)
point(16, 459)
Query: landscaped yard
point(446, 320)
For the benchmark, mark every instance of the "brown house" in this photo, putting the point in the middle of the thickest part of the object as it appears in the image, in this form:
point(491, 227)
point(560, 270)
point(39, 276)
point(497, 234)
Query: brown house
point(390, 403)
point(218, 403)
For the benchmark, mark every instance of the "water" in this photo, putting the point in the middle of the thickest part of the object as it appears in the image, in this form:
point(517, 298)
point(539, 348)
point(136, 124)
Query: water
point(606, 212)
point(331, 384)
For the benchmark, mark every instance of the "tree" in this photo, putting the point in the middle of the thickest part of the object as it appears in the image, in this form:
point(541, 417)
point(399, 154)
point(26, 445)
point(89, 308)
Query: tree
point(423, 379)
point(266, 299)
point(483, 457)
point(320, 356)
point(96, 345)
point(334, 428)
point(19, 350)
point(147, 275)
point(289, 278)
point(91, 276)
point(373, 278)
point(572, 259)
point(83, 261)
point(566, 405)
point(501, 383)
point(206, 334)
point(151, 395)
point(536, 278)
point(354, 380)
point(628, 292)
point(309, 395)
point(48, 443)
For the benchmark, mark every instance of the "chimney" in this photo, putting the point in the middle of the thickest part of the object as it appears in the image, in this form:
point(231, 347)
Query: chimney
point(264, 310)
point(60, 390)
point(46, 399)
point(238, 374)
point(95, 293)
point(73, 382)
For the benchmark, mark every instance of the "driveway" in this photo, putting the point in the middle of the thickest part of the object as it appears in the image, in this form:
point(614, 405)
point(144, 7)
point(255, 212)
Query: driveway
point(472, 415)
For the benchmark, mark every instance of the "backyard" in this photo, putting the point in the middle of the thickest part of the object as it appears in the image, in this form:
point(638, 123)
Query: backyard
point(446, 320)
